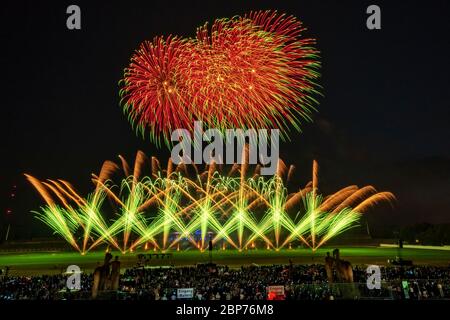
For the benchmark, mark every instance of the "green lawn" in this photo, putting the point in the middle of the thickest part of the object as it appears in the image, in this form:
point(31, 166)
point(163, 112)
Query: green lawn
point(55, 262)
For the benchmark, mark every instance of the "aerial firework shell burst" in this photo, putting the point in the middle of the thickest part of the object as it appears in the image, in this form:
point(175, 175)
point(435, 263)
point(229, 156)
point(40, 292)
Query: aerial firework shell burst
point(252, 71)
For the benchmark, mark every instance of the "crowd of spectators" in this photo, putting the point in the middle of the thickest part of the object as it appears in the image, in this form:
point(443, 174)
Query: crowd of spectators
point(301, 282)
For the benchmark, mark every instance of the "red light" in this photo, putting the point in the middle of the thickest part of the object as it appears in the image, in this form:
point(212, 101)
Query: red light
point(271, 296)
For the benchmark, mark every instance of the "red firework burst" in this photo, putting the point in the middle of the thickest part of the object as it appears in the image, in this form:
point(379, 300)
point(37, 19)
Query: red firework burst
point(253, 71)
point(154, 93)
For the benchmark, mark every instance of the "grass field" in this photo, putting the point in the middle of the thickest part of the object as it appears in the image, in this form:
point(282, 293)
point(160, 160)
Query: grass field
point(56, 262)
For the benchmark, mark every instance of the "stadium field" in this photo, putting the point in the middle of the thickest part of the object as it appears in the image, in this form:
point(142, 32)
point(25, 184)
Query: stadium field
point(31, 263)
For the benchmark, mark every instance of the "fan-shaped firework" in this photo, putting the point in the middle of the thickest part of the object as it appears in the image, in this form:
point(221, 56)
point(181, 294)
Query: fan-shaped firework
point(172, 207)
point(253, 71)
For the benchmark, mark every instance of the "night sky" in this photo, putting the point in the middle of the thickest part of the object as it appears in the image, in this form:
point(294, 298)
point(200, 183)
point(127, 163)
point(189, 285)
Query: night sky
point(383, 118)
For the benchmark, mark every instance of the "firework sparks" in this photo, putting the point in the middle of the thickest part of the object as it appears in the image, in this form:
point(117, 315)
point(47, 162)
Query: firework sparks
point(230, 207)
point(254, 71)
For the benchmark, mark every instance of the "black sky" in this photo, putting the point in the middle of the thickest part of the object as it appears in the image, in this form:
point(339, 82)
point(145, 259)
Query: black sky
point(383, 119)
